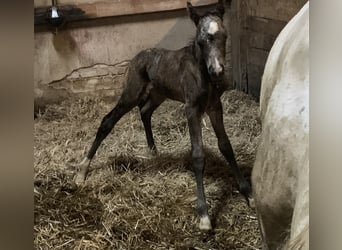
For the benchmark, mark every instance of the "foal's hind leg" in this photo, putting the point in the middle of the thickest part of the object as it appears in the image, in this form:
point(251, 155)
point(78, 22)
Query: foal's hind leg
point(146, 110)
point(129, 99)
point(107, 124)
point(215, 114)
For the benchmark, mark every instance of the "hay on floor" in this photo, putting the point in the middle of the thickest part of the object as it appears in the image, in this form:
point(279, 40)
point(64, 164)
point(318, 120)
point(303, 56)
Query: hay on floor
point(132, 200)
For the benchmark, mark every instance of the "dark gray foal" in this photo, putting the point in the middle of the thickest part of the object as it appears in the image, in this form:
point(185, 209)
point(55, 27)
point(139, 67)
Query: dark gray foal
point(191, 75)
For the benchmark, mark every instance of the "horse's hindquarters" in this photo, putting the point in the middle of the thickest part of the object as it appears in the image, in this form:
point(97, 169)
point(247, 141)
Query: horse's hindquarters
point(280, 176)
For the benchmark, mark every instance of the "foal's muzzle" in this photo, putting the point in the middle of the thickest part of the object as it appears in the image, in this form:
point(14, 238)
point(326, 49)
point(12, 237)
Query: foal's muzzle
point(216, 71)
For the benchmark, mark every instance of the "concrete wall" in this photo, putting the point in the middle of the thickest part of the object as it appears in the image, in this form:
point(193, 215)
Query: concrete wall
point(90, 58)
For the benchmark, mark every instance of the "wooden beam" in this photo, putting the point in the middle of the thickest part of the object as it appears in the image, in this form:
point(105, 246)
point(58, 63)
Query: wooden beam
point(239, 44)
point(111, 8)
point(244, 39)
point(235, 44)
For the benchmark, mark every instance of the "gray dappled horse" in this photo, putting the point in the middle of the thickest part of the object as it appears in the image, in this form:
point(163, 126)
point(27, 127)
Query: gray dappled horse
point(191, 75)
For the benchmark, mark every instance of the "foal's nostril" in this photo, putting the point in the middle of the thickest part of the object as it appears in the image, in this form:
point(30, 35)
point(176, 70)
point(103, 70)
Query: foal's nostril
point(216, 70)
point(211, 70)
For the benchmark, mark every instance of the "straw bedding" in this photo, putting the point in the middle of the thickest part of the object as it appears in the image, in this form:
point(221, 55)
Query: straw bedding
point(131, 199)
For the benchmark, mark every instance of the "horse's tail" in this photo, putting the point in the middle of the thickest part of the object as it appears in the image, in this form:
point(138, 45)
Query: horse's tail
point(301, 241)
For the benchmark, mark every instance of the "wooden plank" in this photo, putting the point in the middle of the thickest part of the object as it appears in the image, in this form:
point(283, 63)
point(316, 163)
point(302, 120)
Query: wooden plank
point(239, 38)
point(235, 42)
point(261, 41)
point(259, 23)
point(255, 68)
point(257, 56)
point(265, 26)
point(47, 3)
point(274, 9)
point(100, 9)
point(243, 45)
point(255, 73)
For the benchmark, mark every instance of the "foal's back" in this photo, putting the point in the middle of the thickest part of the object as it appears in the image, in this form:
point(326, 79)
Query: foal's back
point(166, 71)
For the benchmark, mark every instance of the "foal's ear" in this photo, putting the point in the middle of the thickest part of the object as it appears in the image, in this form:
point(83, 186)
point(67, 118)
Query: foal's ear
point(192, 13)
point(220, 7)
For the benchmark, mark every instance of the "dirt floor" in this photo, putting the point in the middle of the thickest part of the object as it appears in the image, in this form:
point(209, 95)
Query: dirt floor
point(132, 200)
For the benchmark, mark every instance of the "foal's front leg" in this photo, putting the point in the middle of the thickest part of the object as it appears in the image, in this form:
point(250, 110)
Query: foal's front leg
point(215, 114)
point(194, 120)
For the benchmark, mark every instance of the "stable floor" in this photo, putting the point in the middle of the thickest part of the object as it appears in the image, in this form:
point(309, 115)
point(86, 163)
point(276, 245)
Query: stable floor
point(131, 199)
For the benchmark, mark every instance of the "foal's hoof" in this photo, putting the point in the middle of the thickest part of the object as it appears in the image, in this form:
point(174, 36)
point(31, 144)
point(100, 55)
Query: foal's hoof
point(251, 202)
point(153, 151)
point(79, 179)
point(246, 191)
point(82, 170)
point(205, 224)
point(245, 188)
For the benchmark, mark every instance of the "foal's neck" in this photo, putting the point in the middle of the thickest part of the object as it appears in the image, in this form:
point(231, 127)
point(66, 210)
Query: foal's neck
point(198, 55)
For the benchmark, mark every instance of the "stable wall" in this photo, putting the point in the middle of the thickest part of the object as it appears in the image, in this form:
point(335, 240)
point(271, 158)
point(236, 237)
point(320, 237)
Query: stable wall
point(90, 57)
point(255, 26)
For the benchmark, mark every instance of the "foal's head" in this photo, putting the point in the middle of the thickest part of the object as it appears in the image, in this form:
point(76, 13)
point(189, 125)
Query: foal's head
point(211, 37)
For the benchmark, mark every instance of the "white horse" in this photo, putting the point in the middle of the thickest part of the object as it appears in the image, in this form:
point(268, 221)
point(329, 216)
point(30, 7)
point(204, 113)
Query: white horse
point(280, 176)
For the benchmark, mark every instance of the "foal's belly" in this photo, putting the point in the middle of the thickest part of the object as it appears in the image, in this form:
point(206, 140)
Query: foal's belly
point(167, 91)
